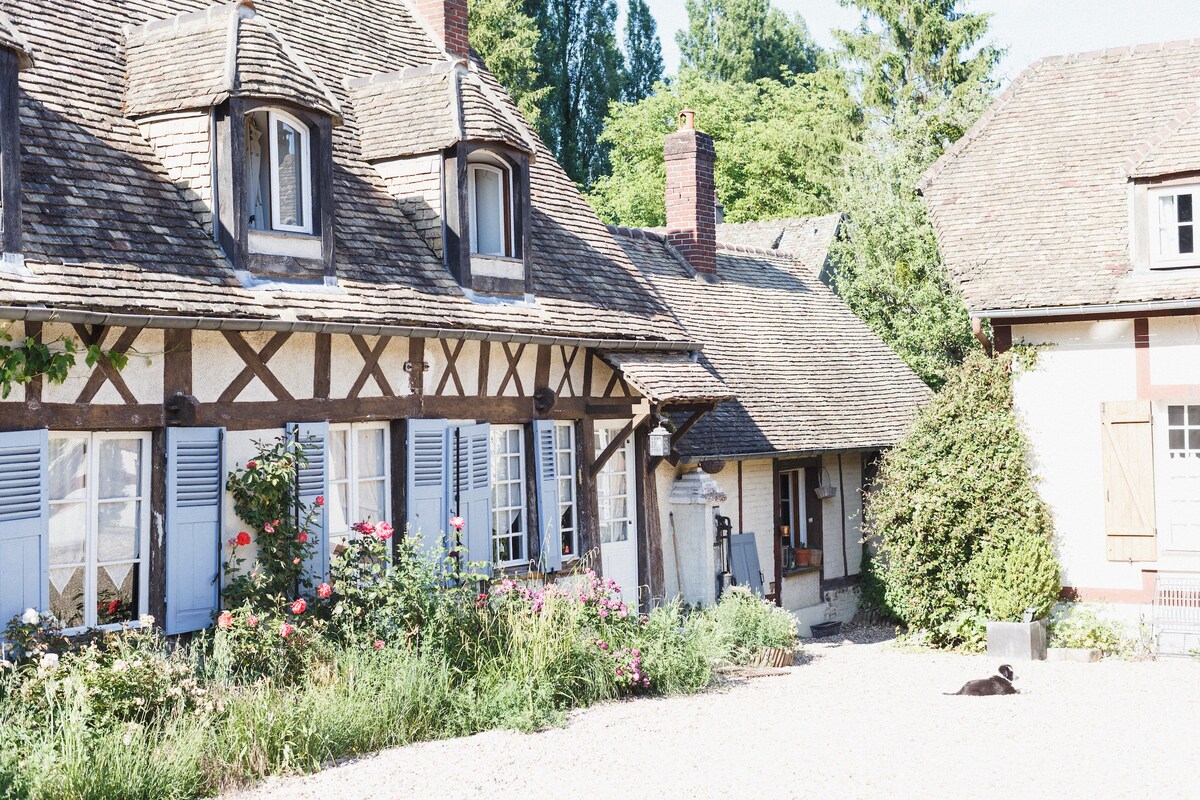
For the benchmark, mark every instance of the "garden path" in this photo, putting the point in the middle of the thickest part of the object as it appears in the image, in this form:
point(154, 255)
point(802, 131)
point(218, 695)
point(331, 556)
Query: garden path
point(856, 720)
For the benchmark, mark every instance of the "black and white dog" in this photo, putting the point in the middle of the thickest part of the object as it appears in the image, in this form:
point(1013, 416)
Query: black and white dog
point(997, 684)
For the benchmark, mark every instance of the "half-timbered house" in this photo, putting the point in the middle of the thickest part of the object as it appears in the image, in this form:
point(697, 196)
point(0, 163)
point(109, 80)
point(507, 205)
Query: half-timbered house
point(818, 395)
point(317, 219)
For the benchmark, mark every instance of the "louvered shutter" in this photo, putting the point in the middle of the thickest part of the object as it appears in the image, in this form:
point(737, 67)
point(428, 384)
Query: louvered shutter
point(427, 480)
point(24, 524)
point(549, 519)
point(473, 475)
point(1127, 452)
point(312, 481)
point(746, 569)
point(195, 473)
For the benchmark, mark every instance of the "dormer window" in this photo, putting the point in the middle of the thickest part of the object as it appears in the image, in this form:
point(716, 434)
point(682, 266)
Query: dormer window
point(490, 193)
point(278, 172)
point(1173, 214)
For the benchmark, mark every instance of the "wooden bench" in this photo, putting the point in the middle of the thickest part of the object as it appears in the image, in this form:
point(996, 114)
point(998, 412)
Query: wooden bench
point(1177, 615)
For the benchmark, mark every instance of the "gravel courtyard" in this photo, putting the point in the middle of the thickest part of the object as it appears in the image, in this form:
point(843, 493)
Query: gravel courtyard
point(855, 720)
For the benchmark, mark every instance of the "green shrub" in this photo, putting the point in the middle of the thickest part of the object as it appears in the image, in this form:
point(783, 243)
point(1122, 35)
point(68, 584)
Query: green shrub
point(1081, 625)
point(959, 529)
point(741, 624)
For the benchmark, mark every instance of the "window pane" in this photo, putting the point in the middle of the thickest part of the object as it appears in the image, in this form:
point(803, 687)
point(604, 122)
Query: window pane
point(1185, 239)
point(370, 453)
point(289, 157)
point(1184, 205)
point(118, 531)
point(1175, 415)
point(120, 468)
point(258, 182)
point(338, 468)
point(489, 213)
point(115, 593)
point(68, 469)
point(66, 595)
point(68, 529)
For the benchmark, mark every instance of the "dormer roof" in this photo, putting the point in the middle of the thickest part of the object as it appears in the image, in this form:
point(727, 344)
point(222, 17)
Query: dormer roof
point(427, 109)
point(203, 58)
point(11, 39)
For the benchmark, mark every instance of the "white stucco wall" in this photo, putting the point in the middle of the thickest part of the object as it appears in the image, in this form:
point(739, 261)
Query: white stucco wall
point(1081, 365)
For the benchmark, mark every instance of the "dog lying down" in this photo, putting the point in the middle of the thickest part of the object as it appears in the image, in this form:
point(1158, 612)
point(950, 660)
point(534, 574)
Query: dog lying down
point(997, 684)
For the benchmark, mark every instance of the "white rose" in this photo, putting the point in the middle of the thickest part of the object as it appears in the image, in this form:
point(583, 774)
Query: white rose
point(31, 617)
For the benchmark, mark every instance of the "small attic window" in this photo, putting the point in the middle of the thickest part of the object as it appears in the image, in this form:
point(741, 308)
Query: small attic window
point(490, 193)
point(1173, 220)
point(278, 172)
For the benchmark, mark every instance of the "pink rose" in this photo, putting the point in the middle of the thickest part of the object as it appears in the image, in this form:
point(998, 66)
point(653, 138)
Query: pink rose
point(324, 590)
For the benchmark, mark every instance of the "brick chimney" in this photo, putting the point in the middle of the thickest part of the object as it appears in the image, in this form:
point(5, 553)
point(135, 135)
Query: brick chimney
point(692, 194)
point(448, 20)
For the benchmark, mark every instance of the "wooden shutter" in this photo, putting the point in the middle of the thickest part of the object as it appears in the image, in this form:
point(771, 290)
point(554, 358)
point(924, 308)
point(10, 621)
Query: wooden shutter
point(24, 524)
point(1127, 448)
point(427, 480)
point(312, 481)
point(473, 471)
point(549, 519)
point(195, 473)
point(746, 569)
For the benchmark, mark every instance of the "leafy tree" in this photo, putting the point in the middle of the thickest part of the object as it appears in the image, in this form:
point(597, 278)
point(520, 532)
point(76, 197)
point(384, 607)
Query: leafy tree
point(643, 52)
point(917, 51)
point(779, 146)
point(582, 69)
point(743, 40)
point(960, 533)
point(506, 38)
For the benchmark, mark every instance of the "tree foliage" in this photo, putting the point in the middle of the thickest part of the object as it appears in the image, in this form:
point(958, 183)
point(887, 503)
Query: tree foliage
point(743, 40)
point(779, 146)
point(912, 52)
point(506, 39)
point(643, 52)
point(583, 70)
point(960, 533)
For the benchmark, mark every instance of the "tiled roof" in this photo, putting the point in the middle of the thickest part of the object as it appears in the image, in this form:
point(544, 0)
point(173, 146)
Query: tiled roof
point(11, 39)
point(105, 228)
point(809, 376)
point(425, 110)
point(200, 59)
point(667, 377)
point(1031, 207)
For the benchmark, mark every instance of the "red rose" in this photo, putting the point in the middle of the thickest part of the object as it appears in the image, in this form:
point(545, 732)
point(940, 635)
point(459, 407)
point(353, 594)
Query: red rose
point(320, 500)
point(243, 539)
point(324, 590)
point(300, 606)
point(302, 537)
point(225, 620)
point(251, 464)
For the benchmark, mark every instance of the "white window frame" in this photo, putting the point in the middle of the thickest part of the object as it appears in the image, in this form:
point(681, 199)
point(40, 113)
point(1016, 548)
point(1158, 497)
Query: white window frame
point(568, 497)
point(493, 433)
point(91, 563)
point(1157, 225)
point(506, 210)
point(354, 480)
point(274, 117)
point(604, 436)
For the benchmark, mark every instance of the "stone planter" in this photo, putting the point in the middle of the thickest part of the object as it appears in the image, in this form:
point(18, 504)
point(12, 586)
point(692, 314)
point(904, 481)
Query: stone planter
point(1017, 641)
point(1081, 655)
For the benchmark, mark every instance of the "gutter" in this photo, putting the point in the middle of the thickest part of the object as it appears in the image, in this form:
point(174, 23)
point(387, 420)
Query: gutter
point(44, 314)
point(1088, 310)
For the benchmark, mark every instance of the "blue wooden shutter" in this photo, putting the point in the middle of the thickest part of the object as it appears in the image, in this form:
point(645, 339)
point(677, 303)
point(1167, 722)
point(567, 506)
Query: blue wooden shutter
point(195, 487)
point(312, 481)
point(428, 479)
point(473, 472)
point(746, 570)
point(549, 519)
point(24, 524)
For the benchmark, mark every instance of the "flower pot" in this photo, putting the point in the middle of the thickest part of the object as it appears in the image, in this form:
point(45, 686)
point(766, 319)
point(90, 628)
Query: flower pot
point(814, 557)
point(803, 557)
